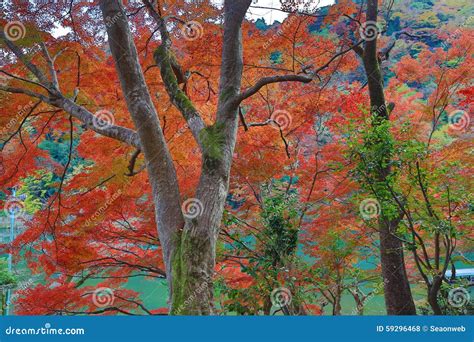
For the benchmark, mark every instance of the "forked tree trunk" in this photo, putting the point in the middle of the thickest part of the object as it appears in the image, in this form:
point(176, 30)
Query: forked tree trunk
point(433, 292)
point(189, 244)
point(194, 249)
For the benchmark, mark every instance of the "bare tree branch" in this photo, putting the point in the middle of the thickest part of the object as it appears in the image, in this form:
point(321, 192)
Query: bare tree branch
point(272, 79)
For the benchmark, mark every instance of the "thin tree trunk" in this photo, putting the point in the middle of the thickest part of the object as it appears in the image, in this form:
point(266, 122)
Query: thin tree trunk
point(360, 301)
point(337, 302)
point(398, 297)
point(433, 291)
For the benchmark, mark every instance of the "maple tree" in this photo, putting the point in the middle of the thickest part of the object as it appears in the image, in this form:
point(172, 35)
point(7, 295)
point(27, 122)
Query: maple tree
point(177, 141)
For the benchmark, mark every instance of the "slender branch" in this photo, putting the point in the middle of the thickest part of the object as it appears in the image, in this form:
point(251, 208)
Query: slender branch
point(50, 62)
point(269, 80)
point(170, 70)
point(21, 56)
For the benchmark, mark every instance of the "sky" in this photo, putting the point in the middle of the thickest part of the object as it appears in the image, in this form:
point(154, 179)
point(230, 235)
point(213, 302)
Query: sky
point(270, 15)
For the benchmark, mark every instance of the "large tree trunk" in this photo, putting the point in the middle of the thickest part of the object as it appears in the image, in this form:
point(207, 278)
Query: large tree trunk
point(192, 270)
point(398, 297)
point(194, 252)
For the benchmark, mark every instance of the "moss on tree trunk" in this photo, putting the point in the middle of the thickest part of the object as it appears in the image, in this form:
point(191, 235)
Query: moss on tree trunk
point(192, 270)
